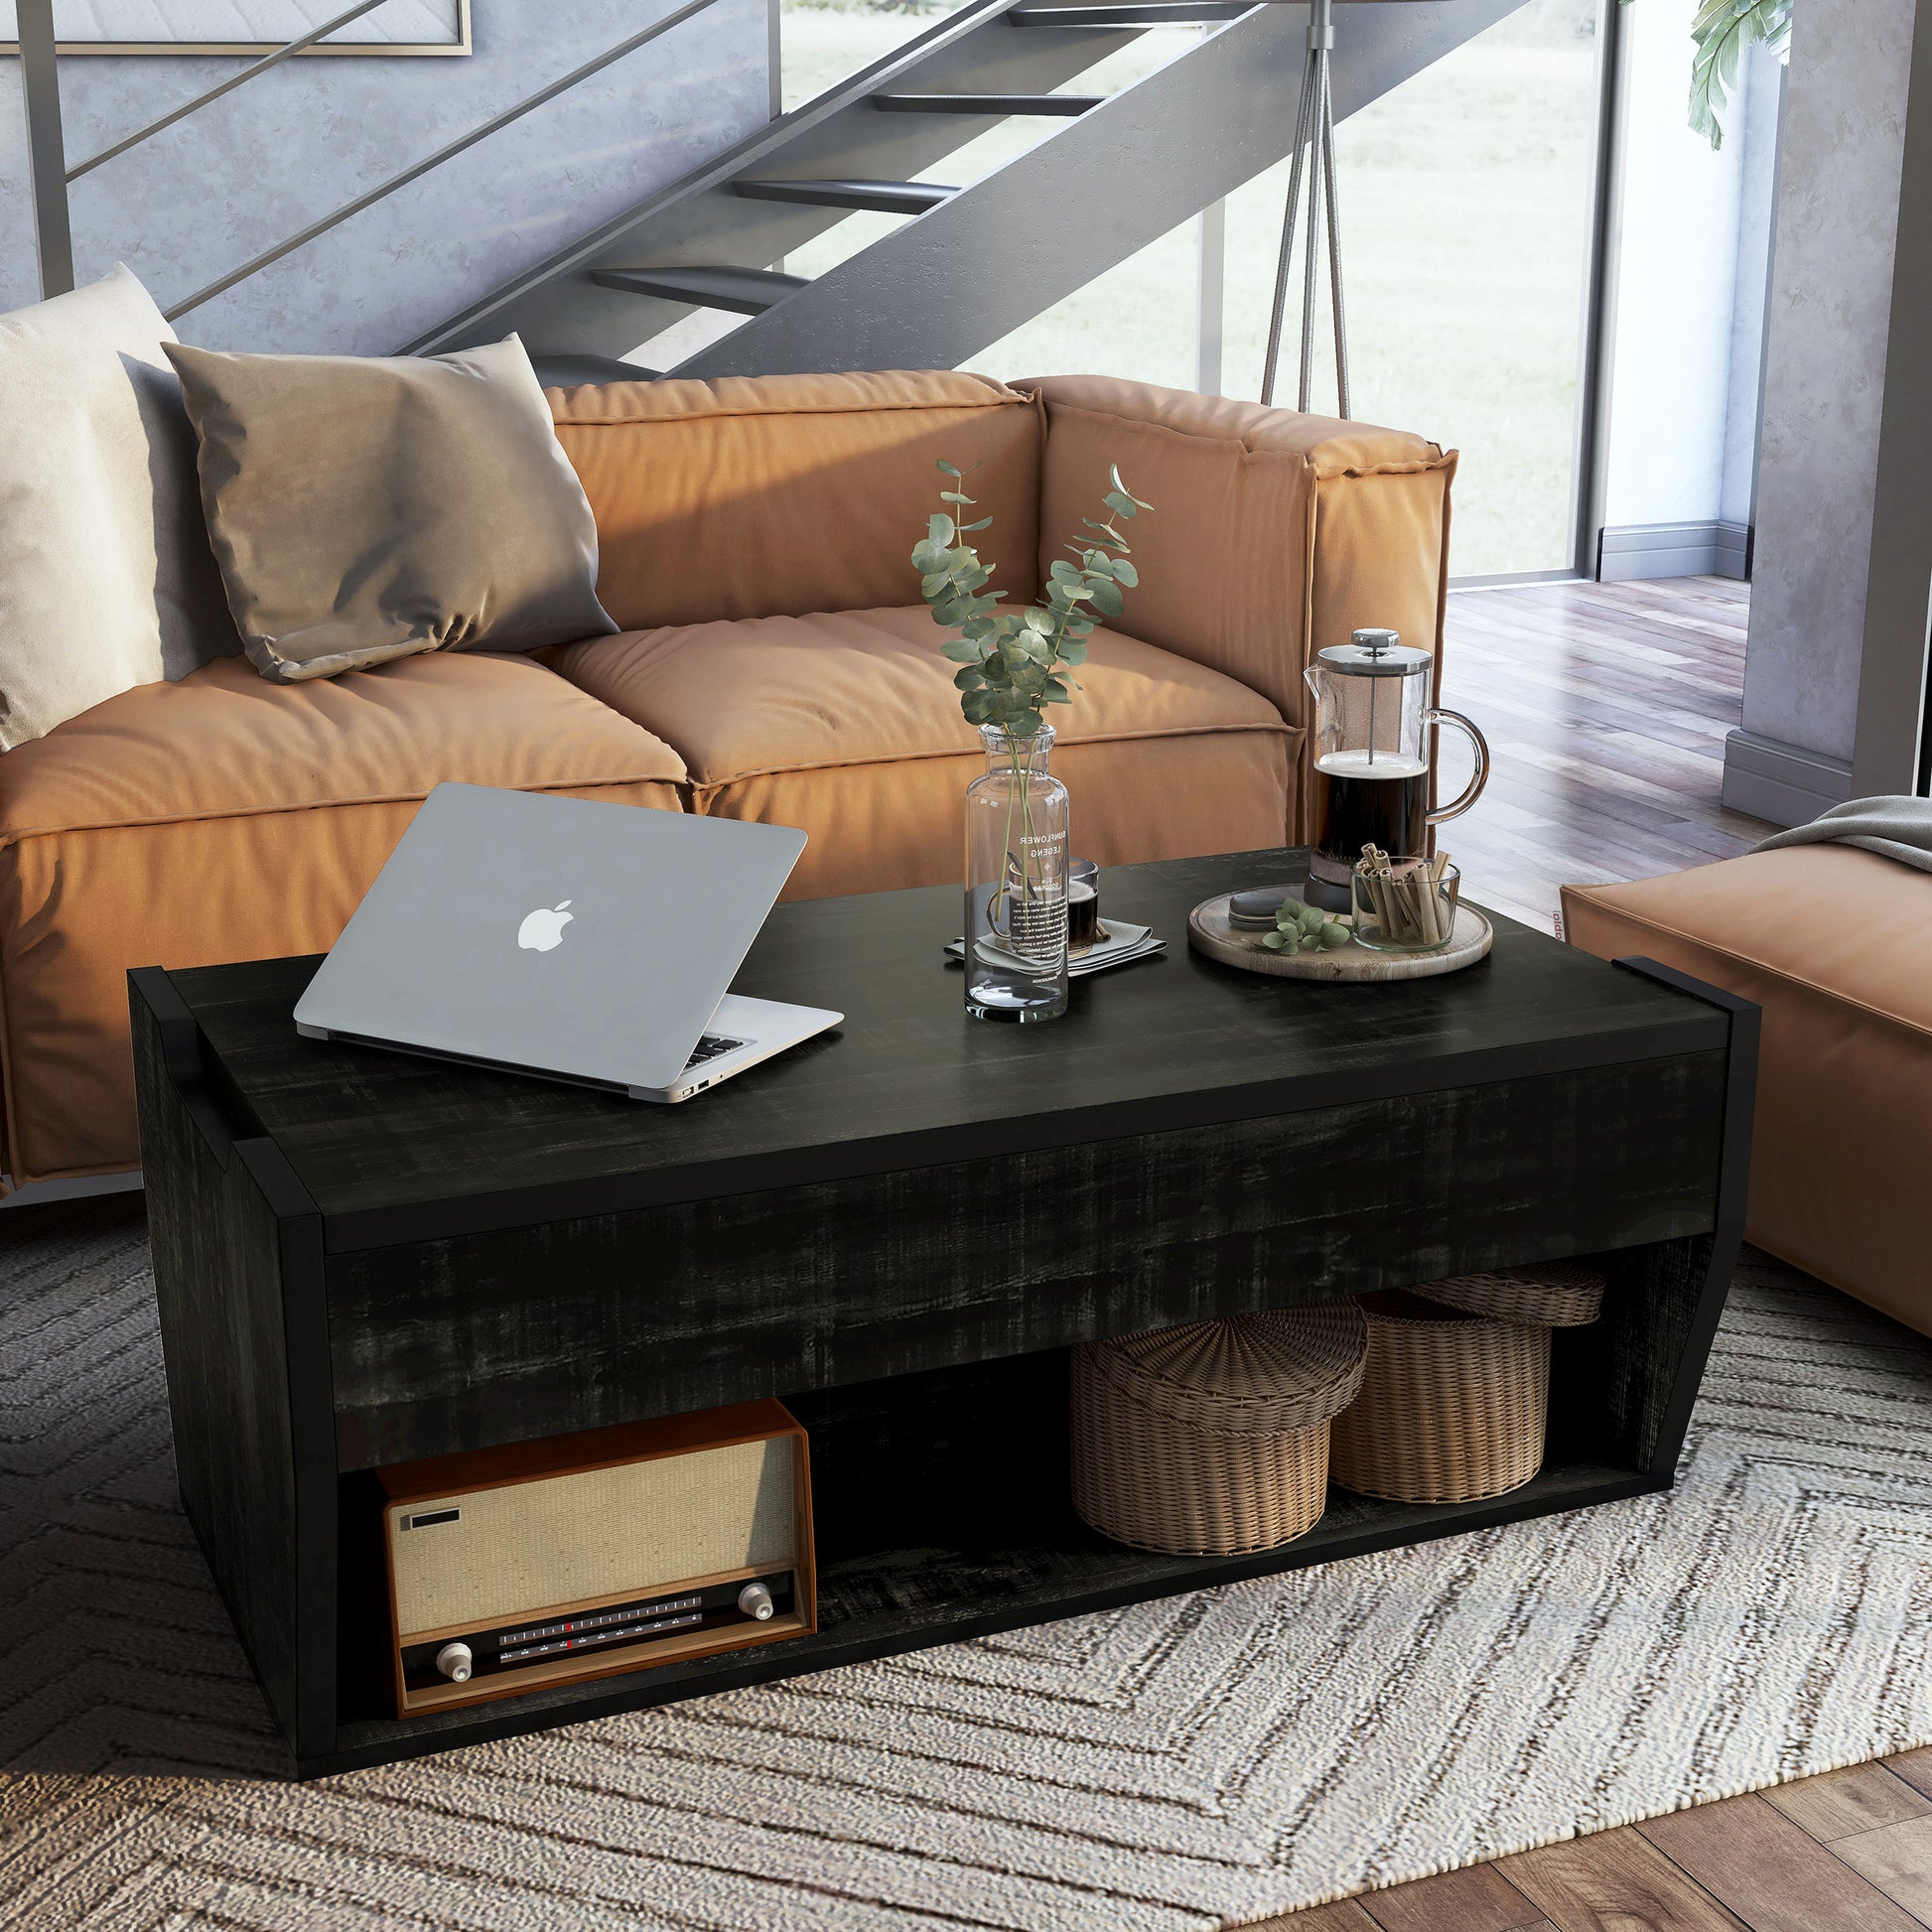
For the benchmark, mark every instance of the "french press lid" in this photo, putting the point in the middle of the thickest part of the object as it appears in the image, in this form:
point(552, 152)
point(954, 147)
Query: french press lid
point(1374, 653)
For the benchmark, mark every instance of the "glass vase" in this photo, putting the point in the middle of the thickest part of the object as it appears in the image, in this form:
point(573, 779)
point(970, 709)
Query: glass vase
point(1016, 881)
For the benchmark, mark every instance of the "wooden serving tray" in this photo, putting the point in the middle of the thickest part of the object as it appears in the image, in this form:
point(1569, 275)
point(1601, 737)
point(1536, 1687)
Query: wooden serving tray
point(1209, 933)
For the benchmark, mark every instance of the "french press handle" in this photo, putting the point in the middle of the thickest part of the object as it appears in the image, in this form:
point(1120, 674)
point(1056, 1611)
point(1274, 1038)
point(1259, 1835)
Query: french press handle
point(1477, 743)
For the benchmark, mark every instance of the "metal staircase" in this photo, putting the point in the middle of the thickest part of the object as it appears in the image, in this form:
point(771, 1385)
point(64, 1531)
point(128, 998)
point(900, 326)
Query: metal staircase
point(966, 266)
point(969, 264)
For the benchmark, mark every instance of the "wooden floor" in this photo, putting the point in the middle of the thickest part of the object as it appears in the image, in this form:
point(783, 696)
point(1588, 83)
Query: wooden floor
point(1605, 706)
point(1848, 1851)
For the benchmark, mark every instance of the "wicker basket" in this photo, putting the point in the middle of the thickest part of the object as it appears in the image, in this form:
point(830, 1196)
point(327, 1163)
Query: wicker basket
point(1452, 1406)
point(1552, 1294)
point(1213, 1439)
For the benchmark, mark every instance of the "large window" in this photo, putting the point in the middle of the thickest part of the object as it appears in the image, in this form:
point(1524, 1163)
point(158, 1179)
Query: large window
point(1465, 224)
point(1466, 202)
point(1466, 199)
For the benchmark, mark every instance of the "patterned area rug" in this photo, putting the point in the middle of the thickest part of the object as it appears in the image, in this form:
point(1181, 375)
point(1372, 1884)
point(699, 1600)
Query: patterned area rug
point(1199, 1762)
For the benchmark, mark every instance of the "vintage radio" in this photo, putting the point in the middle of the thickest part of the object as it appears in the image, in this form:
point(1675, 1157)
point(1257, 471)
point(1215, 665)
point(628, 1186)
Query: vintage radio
point(582, 1556)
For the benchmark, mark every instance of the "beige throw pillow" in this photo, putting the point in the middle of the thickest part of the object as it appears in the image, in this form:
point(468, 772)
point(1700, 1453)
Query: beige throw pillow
point(364, 508)
point(106, 578)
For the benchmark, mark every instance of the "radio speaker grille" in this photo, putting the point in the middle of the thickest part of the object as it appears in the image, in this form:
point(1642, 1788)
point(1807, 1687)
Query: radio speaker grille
point(594, 1533)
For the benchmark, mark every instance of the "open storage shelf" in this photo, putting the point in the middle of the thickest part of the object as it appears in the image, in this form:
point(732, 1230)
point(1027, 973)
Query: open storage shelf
point(942, 1514)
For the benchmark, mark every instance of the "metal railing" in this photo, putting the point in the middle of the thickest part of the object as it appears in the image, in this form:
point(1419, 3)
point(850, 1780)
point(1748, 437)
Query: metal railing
point(50, 176)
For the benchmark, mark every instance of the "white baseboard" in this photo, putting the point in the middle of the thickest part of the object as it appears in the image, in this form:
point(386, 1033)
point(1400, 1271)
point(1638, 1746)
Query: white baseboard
point(1785, 783)
point(1631, 551)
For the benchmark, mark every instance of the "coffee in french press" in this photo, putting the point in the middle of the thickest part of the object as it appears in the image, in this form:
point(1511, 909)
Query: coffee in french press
point(1372, 725)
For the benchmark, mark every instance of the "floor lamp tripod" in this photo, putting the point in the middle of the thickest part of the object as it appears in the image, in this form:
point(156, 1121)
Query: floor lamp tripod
point(1315, 161)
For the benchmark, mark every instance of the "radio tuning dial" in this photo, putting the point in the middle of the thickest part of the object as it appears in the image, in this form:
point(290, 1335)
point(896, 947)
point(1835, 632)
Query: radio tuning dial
point(455, 1662)
point(755, 1600)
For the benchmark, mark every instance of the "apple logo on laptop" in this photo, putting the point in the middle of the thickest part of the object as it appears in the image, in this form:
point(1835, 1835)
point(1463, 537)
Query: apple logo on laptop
point(544, 928)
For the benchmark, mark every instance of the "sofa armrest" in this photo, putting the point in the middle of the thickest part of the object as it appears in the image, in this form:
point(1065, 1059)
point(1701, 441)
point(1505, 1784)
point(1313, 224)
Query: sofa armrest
point(1273, 534)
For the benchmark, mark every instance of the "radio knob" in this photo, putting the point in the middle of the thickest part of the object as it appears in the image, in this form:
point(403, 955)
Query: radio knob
point(755, 1600)
point(454, 1661)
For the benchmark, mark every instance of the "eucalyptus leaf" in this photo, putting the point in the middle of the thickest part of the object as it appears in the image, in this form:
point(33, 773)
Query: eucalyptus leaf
point(1013, 663)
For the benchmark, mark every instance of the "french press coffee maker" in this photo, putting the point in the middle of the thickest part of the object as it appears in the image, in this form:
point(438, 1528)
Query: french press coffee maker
point(1372, 720)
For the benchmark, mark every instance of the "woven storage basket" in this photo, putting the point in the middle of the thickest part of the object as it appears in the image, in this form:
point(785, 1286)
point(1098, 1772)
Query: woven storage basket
point(1555, 1294)
point(1452, 1406)
point(1213, 1439)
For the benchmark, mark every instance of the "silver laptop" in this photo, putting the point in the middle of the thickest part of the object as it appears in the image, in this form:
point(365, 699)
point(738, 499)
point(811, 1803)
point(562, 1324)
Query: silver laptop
point(569, 939)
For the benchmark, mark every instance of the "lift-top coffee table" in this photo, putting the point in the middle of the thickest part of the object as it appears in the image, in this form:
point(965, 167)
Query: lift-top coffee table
point(900, 1228)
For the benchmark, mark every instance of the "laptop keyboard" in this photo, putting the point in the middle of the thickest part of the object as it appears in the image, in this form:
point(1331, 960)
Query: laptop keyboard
point(709, 1048)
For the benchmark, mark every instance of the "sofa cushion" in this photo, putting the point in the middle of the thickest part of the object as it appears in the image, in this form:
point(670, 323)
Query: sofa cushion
point(1832, 942)
point(768, 496)
point(366, 507)
point(848, 725)
point(224, 817)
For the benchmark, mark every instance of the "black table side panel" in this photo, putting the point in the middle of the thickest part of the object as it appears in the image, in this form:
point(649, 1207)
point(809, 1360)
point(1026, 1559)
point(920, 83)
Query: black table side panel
point(238, 1271)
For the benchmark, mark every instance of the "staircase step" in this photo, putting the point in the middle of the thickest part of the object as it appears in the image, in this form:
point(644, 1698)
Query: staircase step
point(1068, 104)
point(744, 291)
point(886, 196)
point(1153, 13)
point(567, 371)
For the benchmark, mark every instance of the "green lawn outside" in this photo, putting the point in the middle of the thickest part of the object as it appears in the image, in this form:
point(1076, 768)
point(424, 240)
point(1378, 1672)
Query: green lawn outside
point(1465, 217)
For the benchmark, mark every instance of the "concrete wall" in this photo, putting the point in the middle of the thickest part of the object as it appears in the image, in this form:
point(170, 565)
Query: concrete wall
point(1689, 265)
point(1824, 390)
point(261, 163)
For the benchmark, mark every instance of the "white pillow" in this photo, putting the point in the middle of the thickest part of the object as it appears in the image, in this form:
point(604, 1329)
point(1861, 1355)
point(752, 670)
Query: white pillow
point(107, 577)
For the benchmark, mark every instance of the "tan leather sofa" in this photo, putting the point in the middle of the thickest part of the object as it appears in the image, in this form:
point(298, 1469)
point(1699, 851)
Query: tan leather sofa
point(774, 663)
point(1831, 941)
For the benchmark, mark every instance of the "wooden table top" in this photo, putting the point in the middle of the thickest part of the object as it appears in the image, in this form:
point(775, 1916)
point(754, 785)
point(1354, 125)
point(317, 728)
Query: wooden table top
point(392, 1147)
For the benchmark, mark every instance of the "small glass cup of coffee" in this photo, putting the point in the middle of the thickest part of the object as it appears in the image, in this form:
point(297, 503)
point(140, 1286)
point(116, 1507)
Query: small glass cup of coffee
point(1083, 929)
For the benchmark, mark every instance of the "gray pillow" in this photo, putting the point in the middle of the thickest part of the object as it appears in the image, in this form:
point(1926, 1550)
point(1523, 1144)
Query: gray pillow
point(368, 507)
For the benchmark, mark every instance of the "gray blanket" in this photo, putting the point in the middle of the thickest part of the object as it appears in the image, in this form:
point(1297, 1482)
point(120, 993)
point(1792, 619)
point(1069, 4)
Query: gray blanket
point(1895, 826)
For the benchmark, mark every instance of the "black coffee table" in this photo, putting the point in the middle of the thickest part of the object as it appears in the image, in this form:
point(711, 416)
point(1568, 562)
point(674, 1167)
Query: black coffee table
point(899, 1229)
